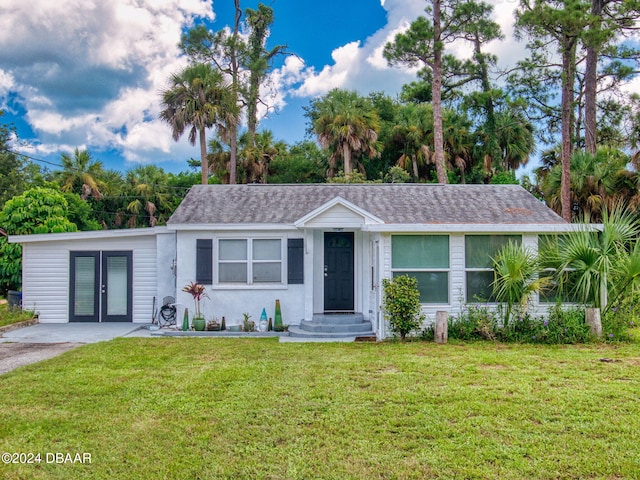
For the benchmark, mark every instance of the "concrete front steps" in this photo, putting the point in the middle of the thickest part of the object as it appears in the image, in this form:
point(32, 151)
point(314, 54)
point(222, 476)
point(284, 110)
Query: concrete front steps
point(337, 325)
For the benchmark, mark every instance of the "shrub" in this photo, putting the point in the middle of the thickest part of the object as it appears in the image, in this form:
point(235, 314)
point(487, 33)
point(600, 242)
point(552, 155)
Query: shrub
point(618, 319)
point(473, 323)
point(517, 277)
point(402, 304)
point(560, 326)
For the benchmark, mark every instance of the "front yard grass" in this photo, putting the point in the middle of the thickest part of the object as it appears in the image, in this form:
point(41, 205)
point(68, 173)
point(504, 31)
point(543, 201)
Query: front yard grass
point(10, 315)
point(195, 408)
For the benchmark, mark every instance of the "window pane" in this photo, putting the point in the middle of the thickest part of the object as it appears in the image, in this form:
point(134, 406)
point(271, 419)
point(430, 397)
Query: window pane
point(420, 251)
point(433, 286)
point(479, 249)
point(267, 272)
point(564, 293)
point(232, 273)
point(117, 299)
point(267, 250)
point(85, 286)
point(479, 286)
point(232, 250)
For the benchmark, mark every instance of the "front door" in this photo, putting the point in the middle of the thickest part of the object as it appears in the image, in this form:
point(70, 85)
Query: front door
point(100, 287)
point(338, 272)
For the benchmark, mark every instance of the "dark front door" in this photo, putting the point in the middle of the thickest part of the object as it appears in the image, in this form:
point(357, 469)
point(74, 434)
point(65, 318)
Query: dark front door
point(100, 287)
point(338, 272)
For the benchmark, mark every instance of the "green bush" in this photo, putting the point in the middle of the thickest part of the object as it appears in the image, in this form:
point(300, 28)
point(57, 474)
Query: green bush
point(402, 304)
point(560, 326)
point(474, 323)
point(620, 318)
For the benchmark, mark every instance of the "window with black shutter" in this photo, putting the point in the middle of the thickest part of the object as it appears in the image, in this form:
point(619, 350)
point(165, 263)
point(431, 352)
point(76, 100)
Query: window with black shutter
point(295, 261)
point(204, 261)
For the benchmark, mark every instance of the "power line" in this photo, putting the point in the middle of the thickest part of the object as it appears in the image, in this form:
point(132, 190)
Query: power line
point(34, 158)
point(62, 166)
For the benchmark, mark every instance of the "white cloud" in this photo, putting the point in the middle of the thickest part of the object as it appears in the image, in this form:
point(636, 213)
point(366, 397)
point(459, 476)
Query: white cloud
point(90, 71)
point(347, 63)
point(6, 82)
point(361, 65)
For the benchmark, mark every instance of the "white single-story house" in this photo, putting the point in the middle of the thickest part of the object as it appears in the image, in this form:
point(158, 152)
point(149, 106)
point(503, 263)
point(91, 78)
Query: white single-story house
point(321, 249)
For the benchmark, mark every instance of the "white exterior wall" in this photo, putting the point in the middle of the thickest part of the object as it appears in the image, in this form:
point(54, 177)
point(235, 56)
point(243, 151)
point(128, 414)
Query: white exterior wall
point(231, 301)
point(45, 270)
point(45, 281)
point(166, 266)
point(457, 277)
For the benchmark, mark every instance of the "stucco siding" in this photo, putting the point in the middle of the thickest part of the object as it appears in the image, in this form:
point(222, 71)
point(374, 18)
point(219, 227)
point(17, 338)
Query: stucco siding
point(231, 301)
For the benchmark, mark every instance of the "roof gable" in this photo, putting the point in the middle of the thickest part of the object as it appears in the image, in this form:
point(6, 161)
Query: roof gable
point(337, 213)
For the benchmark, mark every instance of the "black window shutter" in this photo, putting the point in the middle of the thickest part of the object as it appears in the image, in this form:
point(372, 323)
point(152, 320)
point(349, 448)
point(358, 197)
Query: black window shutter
point(204, 261)
point(295, 261)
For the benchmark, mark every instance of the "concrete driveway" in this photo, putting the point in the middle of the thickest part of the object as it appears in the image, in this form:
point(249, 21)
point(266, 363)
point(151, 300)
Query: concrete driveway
point(38, 342)
point(71, 332)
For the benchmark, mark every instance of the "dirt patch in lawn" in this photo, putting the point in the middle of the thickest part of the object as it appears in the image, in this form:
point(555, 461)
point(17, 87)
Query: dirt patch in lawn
point(14, 355)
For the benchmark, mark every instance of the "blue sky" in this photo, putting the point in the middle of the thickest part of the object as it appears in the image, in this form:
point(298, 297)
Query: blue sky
point(87, 73)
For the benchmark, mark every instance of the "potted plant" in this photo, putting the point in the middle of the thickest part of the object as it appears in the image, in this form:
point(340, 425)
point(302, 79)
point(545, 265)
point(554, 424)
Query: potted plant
point(197, 292)
point(214, 325)
point(247, 324)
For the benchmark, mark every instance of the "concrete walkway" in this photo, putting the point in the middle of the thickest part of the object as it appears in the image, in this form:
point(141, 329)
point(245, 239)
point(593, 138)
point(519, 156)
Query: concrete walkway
point(73, 332)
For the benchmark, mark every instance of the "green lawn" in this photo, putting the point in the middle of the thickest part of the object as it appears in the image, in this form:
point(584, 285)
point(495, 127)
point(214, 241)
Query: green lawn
point(12, 315)
point(195, 408)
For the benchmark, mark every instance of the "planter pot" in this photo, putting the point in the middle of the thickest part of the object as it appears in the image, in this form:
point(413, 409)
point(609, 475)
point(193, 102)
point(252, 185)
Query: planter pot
point(198, 324)
point(14, 298)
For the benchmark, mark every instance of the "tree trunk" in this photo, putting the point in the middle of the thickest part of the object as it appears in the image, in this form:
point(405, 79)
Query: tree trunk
point(568, 55)
point(591, 81)
point(346, 156)
point(233, 131)
point(436, 92)
point(233, 154)
point(594, 321)
point(442, 327)
point(203, 156)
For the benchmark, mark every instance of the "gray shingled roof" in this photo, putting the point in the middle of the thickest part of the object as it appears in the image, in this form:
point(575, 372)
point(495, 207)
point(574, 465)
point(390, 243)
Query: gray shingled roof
point(393, 203)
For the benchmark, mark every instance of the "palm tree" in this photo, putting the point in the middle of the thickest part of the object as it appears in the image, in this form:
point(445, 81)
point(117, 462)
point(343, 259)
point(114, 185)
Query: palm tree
point(514, 136)
point(258, 157)
point(517, 276)
point(604, 265)
point(109, 209)
point(413, 124)
point(149, 184)
point(219, 160)
point(199, 99)
point(598, 182)
point(80, 174)
point(457, 141)
point(347, 124)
